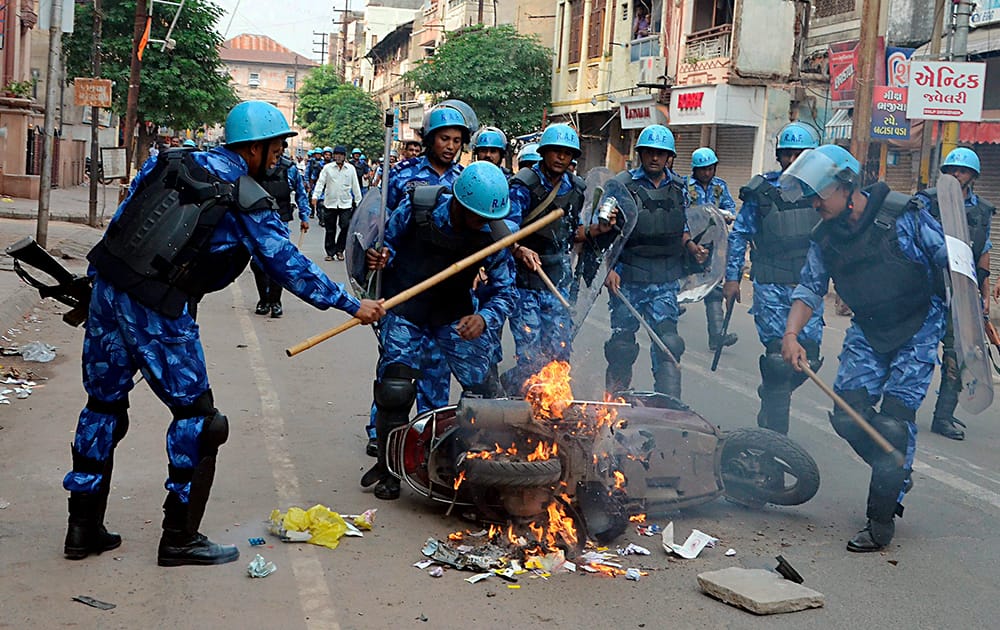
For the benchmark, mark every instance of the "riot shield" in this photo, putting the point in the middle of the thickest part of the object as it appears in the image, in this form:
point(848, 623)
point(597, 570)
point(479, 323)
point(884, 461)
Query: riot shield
point(583, 260)
point(361, 234)
point(606, 250)
point(595, 180)
point(708, 229)
point(966, 301)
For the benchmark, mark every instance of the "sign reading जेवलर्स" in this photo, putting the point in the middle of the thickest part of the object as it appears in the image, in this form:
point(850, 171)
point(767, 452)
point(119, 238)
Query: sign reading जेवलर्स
point(946, 90)
point(92, 92)
point(889, 114)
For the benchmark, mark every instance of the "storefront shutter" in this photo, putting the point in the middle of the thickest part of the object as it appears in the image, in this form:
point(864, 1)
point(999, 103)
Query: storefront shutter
point(734, 146)
point(988, 186)
point(686, 139)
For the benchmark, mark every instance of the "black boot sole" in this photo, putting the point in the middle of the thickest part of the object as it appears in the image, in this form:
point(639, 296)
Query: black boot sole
point(76, 553)
point(951, 433)
point(373, 476)
point(182, 561)
point(387, 491)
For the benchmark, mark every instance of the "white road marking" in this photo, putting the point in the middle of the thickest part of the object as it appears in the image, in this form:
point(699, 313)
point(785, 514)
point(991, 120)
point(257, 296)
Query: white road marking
point(314, 596)
point(955, 482)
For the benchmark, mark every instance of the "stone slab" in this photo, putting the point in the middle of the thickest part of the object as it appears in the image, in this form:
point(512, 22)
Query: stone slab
point(759, 591)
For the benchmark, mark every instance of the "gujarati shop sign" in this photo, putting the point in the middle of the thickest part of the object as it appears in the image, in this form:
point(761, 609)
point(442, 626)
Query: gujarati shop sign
point(946, 90)
point(889, 114)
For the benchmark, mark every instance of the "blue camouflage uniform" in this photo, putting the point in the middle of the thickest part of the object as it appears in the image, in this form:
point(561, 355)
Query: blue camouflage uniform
point(403, 341)
point(772, 302)
point(715, 194)
point(900, 376)
point(123, 337)
point(656, 302)
point(541, 326)
point(299, 193)
point(434, 384)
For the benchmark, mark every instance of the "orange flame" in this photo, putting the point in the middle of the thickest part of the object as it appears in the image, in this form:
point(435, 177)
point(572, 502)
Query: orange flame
point(548, 391)
point(456, 536)
point(543, 452)
point(606, 570)
point(459, 480)
point(619, 479)
point(637, 518)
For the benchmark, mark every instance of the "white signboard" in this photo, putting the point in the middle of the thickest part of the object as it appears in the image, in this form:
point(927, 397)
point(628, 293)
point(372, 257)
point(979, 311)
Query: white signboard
point(639, 114)
point(984, 12)
point(946, 90)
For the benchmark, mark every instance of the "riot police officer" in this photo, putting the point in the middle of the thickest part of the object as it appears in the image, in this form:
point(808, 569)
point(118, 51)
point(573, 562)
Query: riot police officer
point(964, 165)
point(778, 233)
point(704, 188)
point(884, 256)
point(490, 144)
point(139, 320)
point(282, 182)
point(541, 326)
point(651, 264)
point(433, 227)
point(528, 156)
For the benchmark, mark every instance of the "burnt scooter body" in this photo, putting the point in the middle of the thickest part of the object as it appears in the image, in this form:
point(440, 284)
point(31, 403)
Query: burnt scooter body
point(649, 453)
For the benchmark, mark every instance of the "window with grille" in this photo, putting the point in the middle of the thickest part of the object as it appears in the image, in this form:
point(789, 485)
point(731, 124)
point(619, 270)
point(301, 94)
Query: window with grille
point(827, 8)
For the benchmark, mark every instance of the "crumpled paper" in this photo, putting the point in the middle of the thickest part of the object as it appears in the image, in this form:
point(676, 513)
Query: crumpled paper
point(319, 525)
point(260, 568)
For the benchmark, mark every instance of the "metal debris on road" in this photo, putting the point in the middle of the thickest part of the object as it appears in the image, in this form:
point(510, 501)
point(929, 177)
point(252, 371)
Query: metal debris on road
point(93, 603)
point(260, 568)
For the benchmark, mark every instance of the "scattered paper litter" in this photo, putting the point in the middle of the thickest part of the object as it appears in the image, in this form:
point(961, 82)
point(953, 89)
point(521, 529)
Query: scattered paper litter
point(730, 552)
point(423, 564)
point(259, 568)
point(697, 541)
point(633, 550)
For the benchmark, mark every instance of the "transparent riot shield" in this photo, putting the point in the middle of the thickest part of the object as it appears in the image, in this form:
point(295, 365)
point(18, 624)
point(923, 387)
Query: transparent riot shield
point(604, 252)
point(966, 301)
point(581, 258)
point(361, 234)
point(708, 229)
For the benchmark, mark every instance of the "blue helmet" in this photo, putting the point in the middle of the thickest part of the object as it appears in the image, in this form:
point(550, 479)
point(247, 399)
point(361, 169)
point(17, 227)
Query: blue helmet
point(489, 137)
point(818, 172)
point(529, 154)
point(796, 135)
point(961, 157)
point(190, 143)
point(441, 117)
point(482, 188)
point(656, 137)
point(560, 135)
point(329, 149)
point(471, 120)
point(250, 121)
point(703, 157)
point(355, 150)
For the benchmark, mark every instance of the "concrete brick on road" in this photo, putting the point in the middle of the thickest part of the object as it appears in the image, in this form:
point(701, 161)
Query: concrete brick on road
point(759, 591)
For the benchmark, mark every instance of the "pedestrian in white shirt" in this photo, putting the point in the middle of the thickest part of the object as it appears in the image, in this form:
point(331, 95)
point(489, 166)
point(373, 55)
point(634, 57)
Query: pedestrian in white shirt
point(341, 192)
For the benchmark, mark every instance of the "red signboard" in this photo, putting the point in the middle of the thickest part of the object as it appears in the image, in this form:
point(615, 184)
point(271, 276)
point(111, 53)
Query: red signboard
point(690, 100)
point(843, 65)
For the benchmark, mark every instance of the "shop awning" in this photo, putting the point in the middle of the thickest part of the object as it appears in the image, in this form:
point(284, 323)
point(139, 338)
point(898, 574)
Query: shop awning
point(975, 133)
point(982, 41)
point(839, 126)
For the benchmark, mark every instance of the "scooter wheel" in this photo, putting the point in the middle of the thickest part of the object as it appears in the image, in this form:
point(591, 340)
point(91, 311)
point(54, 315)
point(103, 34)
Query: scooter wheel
point(496, 473)
point(761, 466)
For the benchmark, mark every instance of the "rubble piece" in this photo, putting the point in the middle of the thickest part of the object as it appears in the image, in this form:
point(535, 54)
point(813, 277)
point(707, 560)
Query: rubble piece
point(758, 591)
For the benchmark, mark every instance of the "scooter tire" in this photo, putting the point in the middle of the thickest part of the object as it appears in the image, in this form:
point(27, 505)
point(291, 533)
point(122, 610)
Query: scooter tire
point(744, 451)
point(496, 473)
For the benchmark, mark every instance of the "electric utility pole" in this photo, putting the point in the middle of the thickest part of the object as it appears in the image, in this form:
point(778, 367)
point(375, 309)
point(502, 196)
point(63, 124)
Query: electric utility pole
point(52, 81)
point(134, 76)
point(95, 112)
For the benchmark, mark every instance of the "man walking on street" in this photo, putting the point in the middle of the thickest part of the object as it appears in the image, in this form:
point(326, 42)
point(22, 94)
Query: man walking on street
point(138, 321)
point(963, 164)
point(704, 188)
point(778, 233)
point(338, 186)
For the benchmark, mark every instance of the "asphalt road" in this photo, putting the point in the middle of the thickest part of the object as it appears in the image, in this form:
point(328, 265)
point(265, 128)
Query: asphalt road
point(296, 440)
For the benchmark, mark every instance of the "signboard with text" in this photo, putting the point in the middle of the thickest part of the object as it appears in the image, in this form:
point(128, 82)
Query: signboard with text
point(946, 90)
point(889, 114)
point(842, 60)
point(985, 12)
point(92, 92)
point(639, 114)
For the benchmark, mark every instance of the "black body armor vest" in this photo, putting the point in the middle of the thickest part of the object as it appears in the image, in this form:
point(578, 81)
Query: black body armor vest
point(423, 251)
point(889, 294)
point(978, 218)
point(654, 253)
point(779, 247)
point(553, 242)
point(276, 184)
point(157, 249)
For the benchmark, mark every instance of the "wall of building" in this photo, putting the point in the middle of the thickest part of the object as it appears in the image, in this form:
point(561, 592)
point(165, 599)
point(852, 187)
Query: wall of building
point(776, 18)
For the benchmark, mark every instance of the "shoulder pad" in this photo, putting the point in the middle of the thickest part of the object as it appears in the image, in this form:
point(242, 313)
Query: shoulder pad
point(987, 207)
point(527, 177)
point(499, 229)
point(426, 197)
point(624, 177)
point(757, 185)
point(251, 197)
point(895, 204)
point(930, 193)
point(578, 182)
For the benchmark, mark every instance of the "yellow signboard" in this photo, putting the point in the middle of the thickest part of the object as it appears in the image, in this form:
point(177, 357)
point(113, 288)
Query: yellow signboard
point(92, 92)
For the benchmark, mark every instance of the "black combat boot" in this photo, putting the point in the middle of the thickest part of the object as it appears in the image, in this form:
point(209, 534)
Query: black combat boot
point(263, 308)
point(276, 310)
point(714, 318)
point(775, 405)
point(86, 533)
point(667, 379)
point(945, 423)
point(874, 537)
point(181, 543)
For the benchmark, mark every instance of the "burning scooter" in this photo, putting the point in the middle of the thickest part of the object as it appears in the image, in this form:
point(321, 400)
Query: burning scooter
point(549, 455)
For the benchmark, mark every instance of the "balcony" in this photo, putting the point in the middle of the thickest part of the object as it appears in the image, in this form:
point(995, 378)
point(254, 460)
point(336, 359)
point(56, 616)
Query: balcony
point(644, 47)
point(706, 56)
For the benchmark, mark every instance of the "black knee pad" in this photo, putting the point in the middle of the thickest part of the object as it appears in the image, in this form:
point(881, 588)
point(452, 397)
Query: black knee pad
point(621, 349)
point(775, 371)
point(203, 405)
point(397, 390)
point(860, 401)
point(214, 432)
point(667, 331)
point(892, 422)
point(118, 409)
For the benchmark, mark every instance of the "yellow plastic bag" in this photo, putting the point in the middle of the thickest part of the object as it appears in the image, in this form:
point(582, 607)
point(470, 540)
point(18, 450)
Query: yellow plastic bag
point(324, 526)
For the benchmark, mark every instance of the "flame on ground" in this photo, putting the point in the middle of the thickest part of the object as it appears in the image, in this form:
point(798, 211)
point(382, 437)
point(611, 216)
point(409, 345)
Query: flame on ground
point(637, 518)
point(548, 391)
